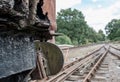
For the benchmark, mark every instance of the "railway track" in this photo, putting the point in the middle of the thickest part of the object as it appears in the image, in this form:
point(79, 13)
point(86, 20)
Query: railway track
point(94, 67)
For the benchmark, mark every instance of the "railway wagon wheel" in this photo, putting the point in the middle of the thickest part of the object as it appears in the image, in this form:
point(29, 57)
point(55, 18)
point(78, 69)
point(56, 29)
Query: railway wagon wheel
point(49, 60)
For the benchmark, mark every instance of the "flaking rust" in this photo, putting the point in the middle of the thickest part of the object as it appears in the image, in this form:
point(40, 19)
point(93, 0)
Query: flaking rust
point(24, 16)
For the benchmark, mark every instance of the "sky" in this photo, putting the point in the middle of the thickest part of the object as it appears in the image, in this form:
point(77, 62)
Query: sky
point(97, 12)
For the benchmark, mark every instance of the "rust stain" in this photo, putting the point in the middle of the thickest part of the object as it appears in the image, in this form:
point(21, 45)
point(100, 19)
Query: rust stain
point(50, 7)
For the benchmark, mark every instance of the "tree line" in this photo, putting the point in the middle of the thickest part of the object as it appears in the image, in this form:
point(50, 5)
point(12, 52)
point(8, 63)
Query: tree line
point(71, 22)
point(113, 30)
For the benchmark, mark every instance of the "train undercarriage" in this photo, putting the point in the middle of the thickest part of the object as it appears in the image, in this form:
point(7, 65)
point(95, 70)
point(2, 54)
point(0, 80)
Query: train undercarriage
point(24, 52)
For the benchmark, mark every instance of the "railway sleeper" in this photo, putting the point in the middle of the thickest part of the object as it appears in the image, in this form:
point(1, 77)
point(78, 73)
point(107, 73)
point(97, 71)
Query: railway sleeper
point(79, 72)
point(78, 76)
point(104, 65)
point(81, 76)
point(84, 69)
point(68, 81)
point(105, 62)
point(105, 69)
point(100, 74)
point(99, 79)
point(101, 71)
point(73, 78)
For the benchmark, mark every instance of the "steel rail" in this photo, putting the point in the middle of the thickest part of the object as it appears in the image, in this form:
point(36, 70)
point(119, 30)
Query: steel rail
point(92, 71)
point(114, 47)
point(67, 72)
point(114, 53)
point(118, 56)
point(64, 74)
point(78, 60)
point(88, 65)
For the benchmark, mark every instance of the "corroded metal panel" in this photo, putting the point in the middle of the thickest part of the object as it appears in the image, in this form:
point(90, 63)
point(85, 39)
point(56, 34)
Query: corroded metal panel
point(16, 55)
point(54, 57)
point(50, 7)
point(49, 60)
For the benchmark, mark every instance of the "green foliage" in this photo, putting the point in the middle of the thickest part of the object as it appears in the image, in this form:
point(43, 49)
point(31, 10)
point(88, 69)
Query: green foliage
point(91, 35)
point(72, 23)
point(101, 35)
point(117, 39)
point(113, 29)
point(63, 40)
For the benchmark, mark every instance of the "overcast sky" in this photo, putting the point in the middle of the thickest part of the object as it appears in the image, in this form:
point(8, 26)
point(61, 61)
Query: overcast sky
point(97, 12)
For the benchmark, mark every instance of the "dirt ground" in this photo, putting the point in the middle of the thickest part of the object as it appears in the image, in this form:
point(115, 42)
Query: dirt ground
point(72, 54)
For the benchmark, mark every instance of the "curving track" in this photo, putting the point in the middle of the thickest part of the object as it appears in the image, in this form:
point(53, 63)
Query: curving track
point(102, 65)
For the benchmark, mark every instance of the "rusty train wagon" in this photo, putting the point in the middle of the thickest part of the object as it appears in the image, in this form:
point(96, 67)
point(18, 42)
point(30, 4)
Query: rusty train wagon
point(25, 28)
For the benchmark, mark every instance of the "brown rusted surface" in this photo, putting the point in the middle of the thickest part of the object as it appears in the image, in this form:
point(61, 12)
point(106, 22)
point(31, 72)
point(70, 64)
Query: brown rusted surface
point(64, 74)
point(50, 7)
point(92, 71)
point(78, 60)
point(102, 67)
point(39, 72)
point(115, 48)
